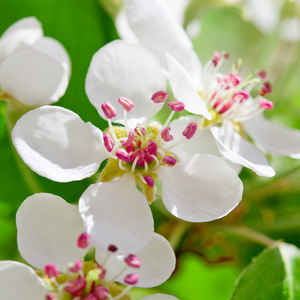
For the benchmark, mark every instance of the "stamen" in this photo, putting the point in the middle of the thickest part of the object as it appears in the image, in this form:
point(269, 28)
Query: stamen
point(130, 139)
point(141, 177)
point(75, 286)
point(134, 164)
point(133, 261)
point(122, 167)
point(217, 57)
point(112, 248)
point(169, 160)
point(266, 104)
point(126, 103)
point(109, 110)
point(76, 267)
point(262, 74)
point(156, 160)
point(165, 135)
point(176, 106)
point(159, 97)
point(51, 270)
point(124, 292)
point(84, 240)
point(101, 292)
point(149, 180)
point(146, 166)
point(190, 130)
point(131, 279)
point(123, 155)
point(108, 142)
point(266, 89)
point(50, 296)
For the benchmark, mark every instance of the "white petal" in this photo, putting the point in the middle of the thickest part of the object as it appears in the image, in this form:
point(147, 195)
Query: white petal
point(33, 78)
point(48, 229)
point(276, 138)
point(157, 258)
point(159, 297)
point(202, 142)
point(184, 90)
point(120, 69)
point(178, 8)
point(54, 49)
point(200, 188)
point(18, 281)
point(55, 143)
point(20, 35)
point(159, 30)
point(116, 213)
point(242, 152)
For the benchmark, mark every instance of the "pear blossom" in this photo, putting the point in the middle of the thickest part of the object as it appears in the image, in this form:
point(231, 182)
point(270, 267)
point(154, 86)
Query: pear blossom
point(57, 144)
point(34, 70)
point(47, 231)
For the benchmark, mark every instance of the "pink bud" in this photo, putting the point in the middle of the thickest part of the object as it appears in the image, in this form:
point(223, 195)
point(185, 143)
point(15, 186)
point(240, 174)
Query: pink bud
point(109, 110)
point(50, 296)
point(241, 95)
point(76, 267)
point(159, 97)
point(126, 103)
point(169, 160)
point(123, 155)
point(176, 105)
point(266, 104)
point(262, 74)
point(130, 139)
point(133, 261)
point(190, 130)
point(131, 279)
point(165, 135)
point(51, 270)
point(235, 79)
point(217, 57)
point(149, 181)
point(108, 142)
point(84, 240)
point(112, 248)
point(101, 292)
point(266, 89)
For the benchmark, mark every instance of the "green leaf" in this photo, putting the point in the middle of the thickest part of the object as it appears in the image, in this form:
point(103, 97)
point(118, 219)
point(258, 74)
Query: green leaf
point(274, 274)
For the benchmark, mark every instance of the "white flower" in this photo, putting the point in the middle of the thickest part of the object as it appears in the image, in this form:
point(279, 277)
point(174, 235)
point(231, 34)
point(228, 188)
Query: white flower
point(57, 144)
point(34, 70)
point(48, 231)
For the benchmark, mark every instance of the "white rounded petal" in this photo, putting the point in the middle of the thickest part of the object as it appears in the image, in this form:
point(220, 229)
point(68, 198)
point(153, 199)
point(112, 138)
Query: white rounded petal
point(202, 142)
point(55, 143)
point(157, 258)
point(200, 188)
point(56, 50)
point(18, 281)
point(184, 90)
point(116, 213)
point(276, 138)
point(121, 69)
point(20, 35)
point(159, 297)
point(157, 28)
point(33, 78)
point(48, 229)
point(242, 152)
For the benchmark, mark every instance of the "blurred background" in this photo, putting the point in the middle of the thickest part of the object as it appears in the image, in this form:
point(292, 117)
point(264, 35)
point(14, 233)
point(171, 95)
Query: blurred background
point(265, 35)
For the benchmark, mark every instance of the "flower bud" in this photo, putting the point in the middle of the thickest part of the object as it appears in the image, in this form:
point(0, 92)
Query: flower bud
point(126, 103)
point(190, 130)
point(133, 261)
point(123, 155)
point(109, 110)
point(108, 142)
point(51, 270)
point(165, 135)
point(131, 279)
point(169, 160)
point(159, 97)
point(84, 240)
point(176, 105)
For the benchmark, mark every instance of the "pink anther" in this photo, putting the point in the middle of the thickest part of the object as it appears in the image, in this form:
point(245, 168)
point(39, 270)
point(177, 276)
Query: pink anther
point(190, 130)
point(140, 155)
point(75, 287)
point(159, 97)
point(51, 270)
point(169, 160)
point(101, 292)
point(217, 57)
point(84, 240)
point(176, 105)
point(149, 180)
point(103, 272)
point(126, 103)
point(240, 95)
point(130, 139)
point(235, 79)
point(226, 55)
point(50, 296)
point(166, 136)
point(133, 261)
point(77, 266)
point(123, 155)
point(131, 279)
point(262, 74)
point(266, 104)
point(108, 142)
point(266, 89)
point(109, 110)
point(112, 248)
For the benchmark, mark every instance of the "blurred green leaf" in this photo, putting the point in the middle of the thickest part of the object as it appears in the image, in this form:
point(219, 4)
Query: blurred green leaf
point(274, 274)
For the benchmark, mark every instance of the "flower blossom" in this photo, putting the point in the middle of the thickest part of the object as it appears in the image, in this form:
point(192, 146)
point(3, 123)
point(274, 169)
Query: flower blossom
point(226, 135)
point(57, 144)
point(48, 228)
point(34, 70)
